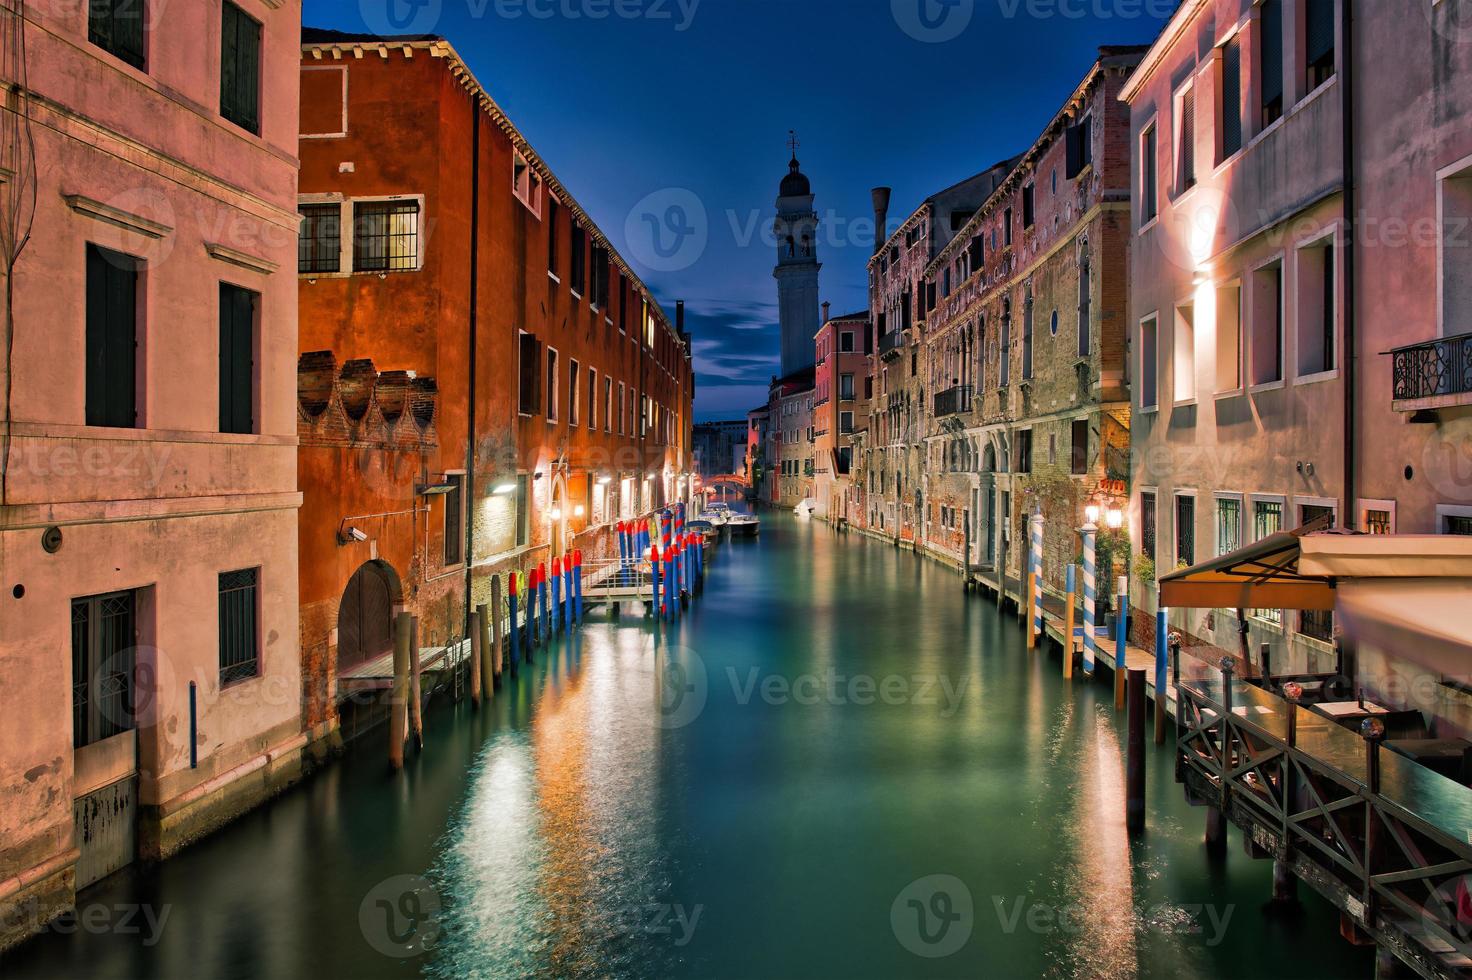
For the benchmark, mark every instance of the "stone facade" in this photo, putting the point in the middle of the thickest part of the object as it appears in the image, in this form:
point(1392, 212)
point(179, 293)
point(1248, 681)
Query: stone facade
point(842, 372)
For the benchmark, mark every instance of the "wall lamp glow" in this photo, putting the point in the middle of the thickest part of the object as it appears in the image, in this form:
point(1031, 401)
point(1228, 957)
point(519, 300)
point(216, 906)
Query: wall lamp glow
point(579, 511)
point(1115, 518)
point(504, 489)
point(604, 481)
point(557, 513)
point(1092, 513)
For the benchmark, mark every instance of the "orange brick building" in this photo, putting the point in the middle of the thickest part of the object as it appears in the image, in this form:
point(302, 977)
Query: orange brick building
point(484, 383)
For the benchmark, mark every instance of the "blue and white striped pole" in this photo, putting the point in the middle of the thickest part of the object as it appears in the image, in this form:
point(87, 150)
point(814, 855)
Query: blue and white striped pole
point(1162, 658)
point(1037, 576)
point(1121, 642)
point(1090, 533)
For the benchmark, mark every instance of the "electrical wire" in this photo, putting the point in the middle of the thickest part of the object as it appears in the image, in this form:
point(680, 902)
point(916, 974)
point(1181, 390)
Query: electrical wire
point(18, 206)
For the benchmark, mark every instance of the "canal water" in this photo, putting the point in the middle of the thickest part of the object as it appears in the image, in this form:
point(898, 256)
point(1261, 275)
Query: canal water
point(839, 764)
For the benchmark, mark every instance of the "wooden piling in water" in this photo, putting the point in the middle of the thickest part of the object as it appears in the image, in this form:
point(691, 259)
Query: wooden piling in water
point(398, 699)
point(1071, 583)
point(1135, 761)
point(416, 704)
point(488, 628)
point(1032, 638)
point(475, 659)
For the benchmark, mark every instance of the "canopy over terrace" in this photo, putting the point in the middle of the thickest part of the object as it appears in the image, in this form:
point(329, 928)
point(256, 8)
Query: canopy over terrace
point(1405, 593)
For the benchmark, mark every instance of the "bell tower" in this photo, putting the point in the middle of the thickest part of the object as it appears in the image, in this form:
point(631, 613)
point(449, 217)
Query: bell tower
point(797, 268)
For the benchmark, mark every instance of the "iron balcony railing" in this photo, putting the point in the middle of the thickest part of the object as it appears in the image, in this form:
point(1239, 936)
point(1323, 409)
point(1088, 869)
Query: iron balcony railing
point(891, 342)
point(953, 401)
point(1434, 369)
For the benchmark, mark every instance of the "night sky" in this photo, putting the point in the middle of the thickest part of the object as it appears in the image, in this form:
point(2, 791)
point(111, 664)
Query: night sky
point(673, 115)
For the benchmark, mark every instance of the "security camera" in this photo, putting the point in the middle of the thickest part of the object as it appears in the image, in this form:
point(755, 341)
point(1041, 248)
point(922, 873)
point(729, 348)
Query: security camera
point(351, 534)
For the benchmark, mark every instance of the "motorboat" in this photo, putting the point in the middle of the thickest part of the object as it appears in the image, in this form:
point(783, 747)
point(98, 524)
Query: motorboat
point(705, 529)
point(743, 525)
point(716, 514)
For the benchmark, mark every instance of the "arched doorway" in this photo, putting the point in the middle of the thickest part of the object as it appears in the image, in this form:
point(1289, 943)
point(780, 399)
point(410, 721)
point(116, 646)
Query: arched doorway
point(559, 516)
point(365, 617)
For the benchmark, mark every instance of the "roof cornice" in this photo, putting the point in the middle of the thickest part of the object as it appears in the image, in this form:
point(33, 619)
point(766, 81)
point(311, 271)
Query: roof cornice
point(1171, 33)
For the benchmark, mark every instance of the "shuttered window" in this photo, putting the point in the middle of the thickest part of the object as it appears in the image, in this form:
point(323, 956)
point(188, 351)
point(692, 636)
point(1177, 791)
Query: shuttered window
point(1029, 205)
point(1080, 146)
point(1231, 97)
point(1319, 41)
point(237, 358)
point(112, 338)
point(1149, 176)
point(240, 69)
point(454, 515)
point(116, 26)
point(530, 375)
point(239, 650)
point(1085, 306)
point(579, 260)
point(1270, 33)
point(1079, 457)
point(1186, 141)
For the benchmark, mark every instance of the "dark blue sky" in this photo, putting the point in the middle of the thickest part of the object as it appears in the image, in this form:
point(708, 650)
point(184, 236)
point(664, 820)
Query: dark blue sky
point(673, 114)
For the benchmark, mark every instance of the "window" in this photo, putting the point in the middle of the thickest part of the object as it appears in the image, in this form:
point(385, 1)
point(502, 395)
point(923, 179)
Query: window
point(1458, 524)
point(116, 26)
point(1317, 309)
point(846, 342)
point(1230, 76)
point(1029, 205)
point(103, 662)
point(620, 408)
point(1456, 257)
point(238, 314)
point(1228, 525)
point(1079, 456)
point(1319, 30)
point(1085, 304)
point(592, 399)
point(1186, 140)
point(1267, 324)
point(1185, 530)
point(1229, 338)
point(526, 185)
point(454, 519)
point(239, 650)
point(1185, 354)
point(552, 386)
point(523, 509)
point(385, 236)
point(552, 210)
point(846, 387)
point(1379, 522)
point(623, 305)
point(112, 338)
point(1080, 148)
point(600, 277)
point(530, 358)
point(319, 245)
point(1004, 368)
point(1267, 520)
point(240, 69)
point(1027, 305)
point(845, 422)
point(1147, 525)
point(1149, 175)
point(1007, 225)
point(579, 260)
point(1316, 623)
point(1149, 362)
point(1270, 60)
point(607, 404)
point(1024, 452)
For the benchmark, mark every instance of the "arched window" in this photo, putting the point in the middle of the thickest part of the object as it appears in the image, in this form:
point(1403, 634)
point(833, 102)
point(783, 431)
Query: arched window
point(791, 247)
point(1085, 301)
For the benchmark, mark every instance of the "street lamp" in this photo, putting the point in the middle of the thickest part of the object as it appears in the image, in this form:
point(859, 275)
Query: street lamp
point(1115, 518)
point(1092, 513)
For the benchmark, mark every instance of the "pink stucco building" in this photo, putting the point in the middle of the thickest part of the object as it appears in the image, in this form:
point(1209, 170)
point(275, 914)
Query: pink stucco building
point(842, 372)
point(149, 663)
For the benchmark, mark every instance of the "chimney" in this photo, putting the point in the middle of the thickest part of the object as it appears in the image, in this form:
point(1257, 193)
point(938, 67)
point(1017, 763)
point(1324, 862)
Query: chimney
point(881, 216)
point(680, 318)
point(826, 307)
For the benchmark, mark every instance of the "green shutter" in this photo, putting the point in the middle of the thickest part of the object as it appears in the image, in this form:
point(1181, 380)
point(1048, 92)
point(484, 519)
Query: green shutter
point(237, 361)
point(112, 343)
point(240, 68)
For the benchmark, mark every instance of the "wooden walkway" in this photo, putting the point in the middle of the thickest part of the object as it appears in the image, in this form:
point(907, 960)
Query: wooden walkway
point(378, 674)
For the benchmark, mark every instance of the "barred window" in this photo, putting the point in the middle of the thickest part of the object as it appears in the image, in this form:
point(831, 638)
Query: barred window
point(319, 246)
point(102, 667)
point(1147, 525)
point(1185, 530)
point(385, 236)
point(239, 652)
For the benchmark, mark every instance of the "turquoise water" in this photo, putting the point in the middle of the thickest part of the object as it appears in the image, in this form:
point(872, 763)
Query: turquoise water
point(838, 764)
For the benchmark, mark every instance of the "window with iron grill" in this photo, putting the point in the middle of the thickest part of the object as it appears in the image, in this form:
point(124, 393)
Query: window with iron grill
point(240, 69)
point(1186, 530)
point(1377, 522)
point(239, 650)
point(319, 244)
point(1228, 525)
point(1147, 525)
point(385, 236)
point(116, 26)
point(103, 664)
point(1460, 526)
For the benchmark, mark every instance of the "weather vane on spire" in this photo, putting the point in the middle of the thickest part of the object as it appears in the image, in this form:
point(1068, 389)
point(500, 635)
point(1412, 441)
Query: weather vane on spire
point(792, 142)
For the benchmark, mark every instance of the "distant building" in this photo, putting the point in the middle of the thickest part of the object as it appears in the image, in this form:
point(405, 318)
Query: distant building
point(791, 445)
point(720, 448)
point(796, 229)
point(842, 375)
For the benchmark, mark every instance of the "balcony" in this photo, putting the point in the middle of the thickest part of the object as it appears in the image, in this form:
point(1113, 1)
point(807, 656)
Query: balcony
point(1436, 374)
point(953, 401)
point(890, 344)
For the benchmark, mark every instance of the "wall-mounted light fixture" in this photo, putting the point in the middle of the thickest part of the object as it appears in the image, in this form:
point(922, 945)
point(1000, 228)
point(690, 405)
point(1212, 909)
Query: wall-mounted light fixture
point(579, 511)
point(604, 481)
point(434, 489)
point(1092, 512)
point(556, 513)
point(504, 489)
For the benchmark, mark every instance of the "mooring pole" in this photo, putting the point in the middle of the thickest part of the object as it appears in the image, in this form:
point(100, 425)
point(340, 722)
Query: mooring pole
point(398, 701)
point(1121, 642)
point(1162, 692)
point(1135, 763)
point(654, 609)
point(490, 641)
point(1090, 533)
point(543, 600)
point(475, 657)
point(416, 703)
point(567, 602)
point(1035, 624)
point(515, 630)
point(577, 557)
point(1071, 583)
point(671, 584)
point(556, 596)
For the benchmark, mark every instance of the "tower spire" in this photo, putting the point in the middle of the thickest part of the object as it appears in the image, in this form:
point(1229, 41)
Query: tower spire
point(792, 143)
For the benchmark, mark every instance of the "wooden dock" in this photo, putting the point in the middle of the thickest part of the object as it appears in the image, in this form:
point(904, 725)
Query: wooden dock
point(378, 674)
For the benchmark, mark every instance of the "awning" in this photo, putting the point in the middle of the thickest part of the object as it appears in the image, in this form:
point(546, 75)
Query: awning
point(1420, 620)
point(1264, 575)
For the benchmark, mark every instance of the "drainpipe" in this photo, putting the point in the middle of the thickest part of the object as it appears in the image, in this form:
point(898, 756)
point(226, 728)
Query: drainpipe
point(1350, 517)
point(473, 363)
